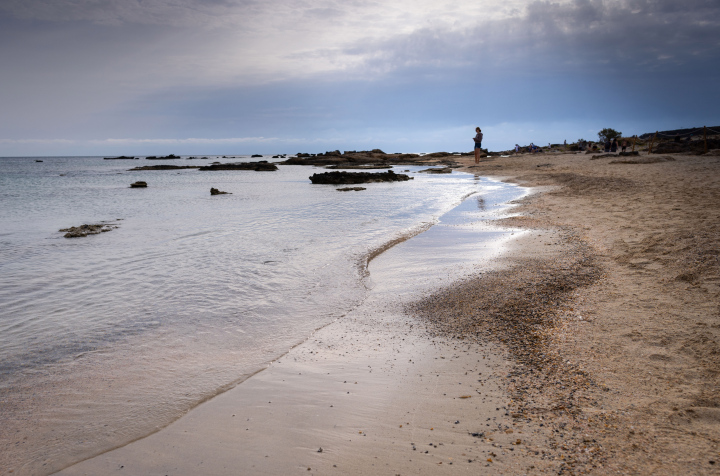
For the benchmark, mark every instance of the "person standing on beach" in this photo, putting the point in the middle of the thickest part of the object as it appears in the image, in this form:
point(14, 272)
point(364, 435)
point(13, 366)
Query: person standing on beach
point(478, 144)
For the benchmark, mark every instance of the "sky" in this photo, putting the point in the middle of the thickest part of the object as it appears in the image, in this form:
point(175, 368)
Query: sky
point(133, 77)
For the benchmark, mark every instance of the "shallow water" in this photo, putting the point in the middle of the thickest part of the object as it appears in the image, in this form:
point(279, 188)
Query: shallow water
point(106, 338)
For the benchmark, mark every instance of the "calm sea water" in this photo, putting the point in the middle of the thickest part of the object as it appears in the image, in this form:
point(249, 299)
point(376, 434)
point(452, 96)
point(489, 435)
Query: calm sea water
point(107, 338)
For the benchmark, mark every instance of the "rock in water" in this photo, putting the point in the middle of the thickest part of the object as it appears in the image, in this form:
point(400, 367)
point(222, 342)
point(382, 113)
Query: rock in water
point(214, 191)
point(164, 167)
point(446, 170)
point(85, 230)
point(262, 166)
point(138, 184)
point(350, 189)
point(341, 178)
point(167, 157)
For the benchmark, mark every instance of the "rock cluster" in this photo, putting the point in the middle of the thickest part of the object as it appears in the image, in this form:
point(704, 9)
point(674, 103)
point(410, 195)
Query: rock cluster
point(262, 166)
point(138, 184)
point(445, 170)
point(214, 191)
point(85, 230)
point(164, 167)
point(340, 178)
point(167, 157)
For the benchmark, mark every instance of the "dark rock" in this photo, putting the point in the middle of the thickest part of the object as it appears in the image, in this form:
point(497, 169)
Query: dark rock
point(138, 184)
point(167, 157)
point(350, 189)
point(377, 151)
point(262, 166)
point(85, 230)
point(38, 161)
point(164, 167)
point(339, 178)
point(446, 170)
point(256, 155)
point(122, 157)
point(214, 191)
point(629, 154)
point(360, 167)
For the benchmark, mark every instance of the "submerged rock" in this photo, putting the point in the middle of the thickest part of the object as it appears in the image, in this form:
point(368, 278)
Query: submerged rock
point(214, 191)
point(262, 166)
point(350, 189)
point(340, 178)
point(122, 157)
point(85, 230)
point(138, 184)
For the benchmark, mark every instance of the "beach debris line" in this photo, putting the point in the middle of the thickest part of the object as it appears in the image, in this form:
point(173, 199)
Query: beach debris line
point(341, 178)
point(214, 191)
point(261, 166)
point(85, 230)
point(138, 184)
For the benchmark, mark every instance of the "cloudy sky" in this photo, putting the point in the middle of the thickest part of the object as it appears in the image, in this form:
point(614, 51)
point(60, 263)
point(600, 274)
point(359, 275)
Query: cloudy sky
point(101, 77)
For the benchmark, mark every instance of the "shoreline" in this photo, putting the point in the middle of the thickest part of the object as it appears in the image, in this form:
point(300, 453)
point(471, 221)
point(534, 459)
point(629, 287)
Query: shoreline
point(617, 371)
point(380, 319)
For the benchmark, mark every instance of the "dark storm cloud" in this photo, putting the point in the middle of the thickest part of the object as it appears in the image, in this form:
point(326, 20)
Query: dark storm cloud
point(639, 35)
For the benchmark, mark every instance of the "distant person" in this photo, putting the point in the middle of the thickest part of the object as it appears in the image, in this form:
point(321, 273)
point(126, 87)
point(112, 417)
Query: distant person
point(624, 145)
point(613, 146)
point(565, 143)
point(517, 148)
point(607, 145)
point(478, 144)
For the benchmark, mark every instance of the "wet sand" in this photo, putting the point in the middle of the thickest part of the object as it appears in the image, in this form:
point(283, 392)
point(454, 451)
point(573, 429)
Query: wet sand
point(592, 346)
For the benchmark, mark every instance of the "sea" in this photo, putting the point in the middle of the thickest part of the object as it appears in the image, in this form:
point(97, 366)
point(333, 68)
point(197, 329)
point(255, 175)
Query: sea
point(108, 338)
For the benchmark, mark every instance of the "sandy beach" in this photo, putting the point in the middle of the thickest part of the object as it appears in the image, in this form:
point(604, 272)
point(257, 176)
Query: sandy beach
point(591, 345)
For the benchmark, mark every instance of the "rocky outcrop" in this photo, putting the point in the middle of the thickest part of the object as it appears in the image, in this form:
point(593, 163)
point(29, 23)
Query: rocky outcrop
point(122, 157)
point(85, 230)
point(167, 157)
point(352, 159)
point(138, 184)
point(214, 191)
point(262, 166)
point(350, 189)
point(256, 155)
point(359, 167)
point(341, 178)
point(445, 170)
point(164, 167)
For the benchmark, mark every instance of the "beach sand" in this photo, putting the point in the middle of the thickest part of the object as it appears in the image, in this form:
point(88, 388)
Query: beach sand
point(592, 346)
